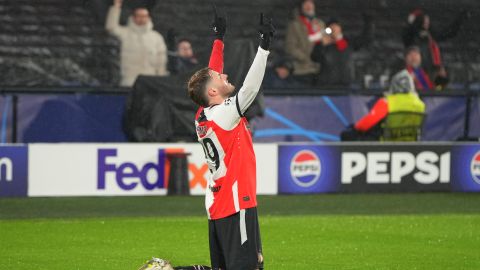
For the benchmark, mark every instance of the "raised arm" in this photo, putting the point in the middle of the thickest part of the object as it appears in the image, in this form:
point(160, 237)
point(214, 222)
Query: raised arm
point(219, 27)
point(253, 80)
point(216, 58)
point(254, 77)
point(112, 23)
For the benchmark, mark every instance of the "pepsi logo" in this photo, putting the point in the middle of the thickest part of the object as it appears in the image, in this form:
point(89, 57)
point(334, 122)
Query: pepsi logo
point(305, 168)
point(475, 167)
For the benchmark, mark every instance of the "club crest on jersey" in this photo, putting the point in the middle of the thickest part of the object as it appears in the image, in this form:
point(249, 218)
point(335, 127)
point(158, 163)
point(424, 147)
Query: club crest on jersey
point(305, 168)
point(202, 130)
point(228, 101)
point(475, 167)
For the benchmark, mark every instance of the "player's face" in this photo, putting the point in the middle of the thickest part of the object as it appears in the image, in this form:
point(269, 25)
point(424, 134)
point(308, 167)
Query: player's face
point(220, 82)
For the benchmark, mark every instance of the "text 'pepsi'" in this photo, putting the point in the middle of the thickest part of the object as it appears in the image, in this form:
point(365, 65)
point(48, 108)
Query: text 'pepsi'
point(427, 167)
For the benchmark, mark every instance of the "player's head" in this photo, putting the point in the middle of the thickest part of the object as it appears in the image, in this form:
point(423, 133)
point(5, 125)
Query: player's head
point(141, 16)
point(207, 87)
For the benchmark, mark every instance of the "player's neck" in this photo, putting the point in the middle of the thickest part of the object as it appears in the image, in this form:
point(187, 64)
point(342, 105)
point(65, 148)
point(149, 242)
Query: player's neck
point(216, 101)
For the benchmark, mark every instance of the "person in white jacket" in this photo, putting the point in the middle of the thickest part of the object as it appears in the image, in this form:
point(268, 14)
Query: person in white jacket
point(143, 50)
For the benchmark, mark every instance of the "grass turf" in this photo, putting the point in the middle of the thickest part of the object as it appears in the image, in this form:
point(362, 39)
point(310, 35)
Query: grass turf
point(393, 231)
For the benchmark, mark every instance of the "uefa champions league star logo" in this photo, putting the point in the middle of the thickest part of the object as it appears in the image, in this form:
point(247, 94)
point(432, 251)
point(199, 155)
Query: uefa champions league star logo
point(475, 167)
point(305, 168)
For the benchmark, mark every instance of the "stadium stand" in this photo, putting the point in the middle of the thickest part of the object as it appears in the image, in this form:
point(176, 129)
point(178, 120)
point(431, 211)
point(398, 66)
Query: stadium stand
point(55, 42)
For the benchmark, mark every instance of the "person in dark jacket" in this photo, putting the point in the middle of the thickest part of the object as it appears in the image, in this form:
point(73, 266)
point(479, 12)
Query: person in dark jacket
point(183, 60)
point(335, 51)
point(419, 32)
point(280, 75)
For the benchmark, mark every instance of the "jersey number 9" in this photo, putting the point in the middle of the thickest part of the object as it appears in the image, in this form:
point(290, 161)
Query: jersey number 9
point(211, 154)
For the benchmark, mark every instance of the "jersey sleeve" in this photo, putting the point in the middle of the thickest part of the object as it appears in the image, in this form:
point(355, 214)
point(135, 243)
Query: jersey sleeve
point(227, 115)
point(216, 58)
point(253, 81)
point(376, 114)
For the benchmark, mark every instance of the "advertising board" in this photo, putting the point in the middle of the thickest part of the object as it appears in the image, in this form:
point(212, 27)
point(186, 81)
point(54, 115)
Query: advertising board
point(127, 169)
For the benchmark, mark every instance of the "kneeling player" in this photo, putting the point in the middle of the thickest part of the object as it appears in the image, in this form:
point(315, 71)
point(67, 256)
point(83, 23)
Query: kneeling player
point(222, 131)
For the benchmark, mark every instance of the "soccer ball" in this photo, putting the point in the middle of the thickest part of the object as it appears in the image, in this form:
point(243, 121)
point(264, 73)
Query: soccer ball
point(156, 264)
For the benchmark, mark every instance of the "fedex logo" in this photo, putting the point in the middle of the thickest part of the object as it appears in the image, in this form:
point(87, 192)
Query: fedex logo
point(127, 175)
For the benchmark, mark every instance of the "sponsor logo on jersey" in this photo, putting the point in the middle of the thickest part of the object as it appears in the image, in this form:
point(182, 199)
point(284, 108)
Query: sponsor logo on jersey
point(305, 168)
point(475, 167)
point(202, 130)
point(215, 189)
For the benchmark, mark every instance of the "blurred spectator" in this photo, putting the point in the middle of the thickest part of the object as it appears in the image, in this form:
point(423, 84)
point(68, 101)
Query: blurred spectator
point(143, 50)
point(419, 32)
point(303, 32)
point(401, 97)
point(280, 75)
point(183, 59)
point(423, 82)
point(334, 53)
point(99, 8)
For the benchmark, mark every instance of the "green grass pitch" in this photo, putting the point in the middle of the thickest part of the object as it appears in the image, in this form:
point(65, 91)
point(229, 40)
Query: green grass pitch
point(373, 231)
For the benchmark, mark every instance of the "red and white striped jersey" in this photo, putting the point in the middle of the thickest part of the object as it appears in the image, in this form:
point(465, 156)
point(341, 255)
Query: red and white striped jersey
point(223, 133)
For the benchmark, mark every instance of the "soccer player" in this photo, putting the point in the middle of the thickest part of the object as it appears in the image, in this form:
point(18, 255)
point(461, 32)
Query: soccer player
point(221, 127)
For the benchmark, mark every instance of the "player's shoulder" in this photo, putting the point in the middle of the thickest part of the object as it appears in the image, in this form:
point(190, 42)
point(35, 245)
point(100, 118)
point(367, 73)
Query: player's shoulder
point(226, 105)
point(224, 114)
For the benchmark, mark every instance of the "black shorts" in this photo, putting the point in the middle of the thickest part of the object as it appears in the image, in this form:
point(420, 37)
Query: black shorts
point(235, 241)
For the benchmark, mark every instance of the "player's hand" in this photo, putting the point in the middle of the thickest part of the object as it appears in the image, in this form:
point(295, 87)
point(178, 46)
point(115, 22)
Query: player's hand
point(266, 31)
point(219, 24)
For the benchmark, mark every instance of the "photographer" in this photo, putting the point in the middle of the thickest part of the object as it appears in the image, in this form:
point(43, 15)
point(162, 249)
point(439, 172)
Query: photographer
point(334, 53)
